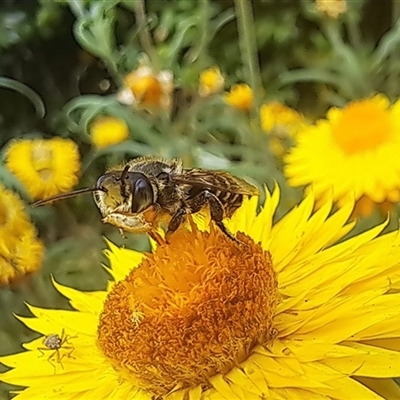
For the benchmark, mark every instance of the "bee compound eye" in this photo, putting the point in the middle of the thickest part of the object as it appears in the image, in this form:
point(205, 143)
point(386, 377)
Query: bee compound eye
point(142, 195)
point(104, 181)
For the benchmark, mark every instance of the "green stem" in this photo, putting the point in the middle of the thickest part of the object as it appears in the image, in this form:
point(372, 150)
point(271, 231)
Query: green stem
point(395, 12)
point(112, 69)
point(248, 46)
point(353, 30)
point(394, 56)
point(144, 34)
point(204, 30)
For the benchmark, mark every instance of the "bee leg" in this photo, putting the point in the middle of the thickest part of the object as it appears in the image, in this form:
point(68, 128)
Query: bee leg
point(216, 209)
point(157, 237)
point(175, 222)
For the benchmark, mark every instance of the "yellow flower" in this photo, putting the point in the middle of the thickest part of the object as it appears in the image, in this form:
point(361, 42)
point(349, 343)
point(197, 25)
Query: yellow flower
point(21, 253)
point(106, 131)
point(211, 81)
point(355, 151)
point(281, 123)
point(332, 8)
point(45, 167)
point(240, 96)
point(145, 89)
point(294, 312)
point(280, 118)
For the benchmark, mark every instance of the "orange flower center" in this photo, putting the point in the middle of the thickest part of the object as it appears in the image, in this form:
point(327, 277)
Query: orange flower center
point(192, 309)
point(363, 126)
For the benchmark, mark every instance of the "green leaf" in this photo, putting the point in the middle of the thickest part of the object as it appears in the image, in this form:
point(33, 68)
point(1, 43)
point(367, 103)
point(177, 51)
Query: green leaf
point(35, 99)
point(11, 182)
point(312, 74)
point(387, 45)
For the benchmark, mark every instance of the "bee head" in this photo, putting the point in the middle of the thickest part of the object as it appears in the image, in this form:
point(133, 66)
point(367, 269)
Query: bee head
point(126, 187)
point(131, 190)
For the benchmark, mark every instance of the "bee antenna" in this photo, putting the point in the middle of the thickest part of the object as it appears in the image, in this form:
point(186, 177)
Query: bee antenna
point(67, 195)
point(124, 173)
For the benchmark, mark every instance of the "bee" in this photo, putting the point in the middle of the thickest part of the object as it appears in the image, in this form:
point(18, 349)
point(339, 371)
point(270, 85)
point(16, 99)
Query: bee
point(53, 343)
point(150, 191)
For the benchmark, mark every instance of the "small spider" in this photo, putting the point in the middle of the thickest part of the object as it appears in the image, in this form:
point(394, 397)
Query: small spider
point(54, 343)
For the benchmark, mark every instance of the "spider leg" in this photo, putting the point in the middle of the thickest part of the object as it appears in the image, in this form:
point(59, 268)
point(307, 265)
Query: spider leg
point(67, 339)
point(49, 360)
point(42, 350)
point(59, 358)
point(62, 337)
point(68, 353)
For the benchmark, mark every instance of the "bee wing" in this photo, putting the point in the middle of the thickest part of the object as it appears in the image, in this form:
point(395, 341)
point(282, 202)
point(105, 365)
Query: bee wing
point(217, 180)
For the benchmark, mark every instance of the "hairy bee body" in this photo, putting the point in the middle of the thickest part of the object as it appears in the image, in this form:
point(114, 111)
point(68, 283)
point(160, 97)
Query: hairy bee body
point(172, 193)
point(148, 192)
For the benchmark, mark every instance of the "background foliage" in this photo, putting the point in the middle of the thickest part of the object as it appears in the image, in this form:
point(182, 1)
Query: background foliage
point(75, 54)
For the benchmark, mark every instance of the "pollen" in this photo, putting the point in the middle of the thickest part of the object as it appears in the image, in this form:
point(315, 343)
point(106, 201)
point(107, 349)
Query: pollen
point(192, 309)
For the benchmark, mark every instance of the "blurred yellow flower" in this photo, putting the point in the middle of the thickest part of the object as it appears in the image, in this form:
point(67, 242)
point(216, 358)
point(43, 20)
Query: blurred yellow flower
point(145, 89)
point(354, 152)
point(21, 253)
point(240, 96)
point(296, 313)
point(106, 131)
point(332, 8)
point(46, 167)
point(280, 118)
point(211, 81)
point(281, 123)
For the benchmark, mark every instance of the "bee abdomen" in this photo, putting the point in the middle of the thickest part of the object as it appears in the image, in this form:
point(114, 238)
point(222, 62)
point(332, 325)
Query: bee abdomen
point(230, 201)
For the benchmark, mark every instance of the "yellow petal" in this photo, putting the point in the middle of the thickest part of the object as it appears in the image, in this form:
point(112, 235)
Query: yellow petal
point(279, 375)
point(297, 394)
point(195, 393)
point(262, 225)
point(339, 385)
point(288, 231)
point(239, 378)
point(254, 373)
point(223, 388)
point(90, 302)
point(312, 350)
point(49, 321)
point(122, 260)
point(374, 362)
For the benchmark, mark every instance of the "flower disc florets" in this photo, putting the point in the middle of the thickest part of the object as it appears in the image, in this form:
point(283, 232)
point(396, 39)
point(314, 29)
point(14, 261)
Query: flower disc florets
point(192, 309)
